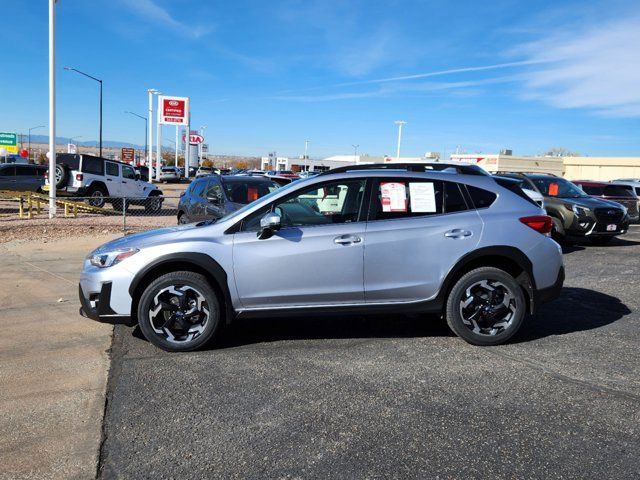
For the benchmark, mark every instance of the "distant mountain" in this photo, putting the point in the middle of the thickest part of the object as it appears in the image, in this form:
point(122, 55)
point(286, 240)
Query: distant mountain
point(89, 143)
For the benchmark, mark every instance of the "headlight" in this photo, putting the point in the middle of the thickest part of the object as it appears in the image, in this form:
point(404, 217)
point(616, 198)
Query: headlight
point(109, 259)
point(580, 211)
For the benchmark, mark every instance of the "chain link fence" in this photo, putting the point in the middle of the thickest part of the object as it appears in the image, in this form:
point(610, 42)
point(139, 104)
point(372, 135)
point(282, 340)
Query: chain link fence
point(131, 212)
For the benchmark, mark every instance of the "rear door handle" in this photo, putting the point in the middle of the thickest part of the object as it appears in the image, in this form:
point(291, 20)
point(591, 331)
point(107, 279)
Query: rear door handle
point(347, 239)
point(458, 233)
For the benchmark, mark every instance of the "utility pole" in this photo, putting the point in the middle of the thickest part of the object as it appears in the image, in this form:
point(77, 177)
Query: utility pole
point(32, 128)
point(355, 153)
point(145, 130)
point(52, 108)
point(400, 123)
point(100, 82)
point(306, 162)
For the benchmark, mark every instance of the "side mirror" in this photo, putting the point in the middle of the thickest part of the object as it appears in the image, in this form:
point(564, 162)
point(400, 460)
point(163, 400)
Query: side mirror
point(270, 223)
point(137, 176)
point(215, 199)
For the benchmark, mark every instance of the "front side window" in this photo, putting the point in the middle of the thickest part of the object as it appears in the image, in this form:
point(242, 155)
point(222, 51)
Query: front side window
point(328, 203)
point(128, 172)
point(197, 187)
point(8, 171)
point(213, 192)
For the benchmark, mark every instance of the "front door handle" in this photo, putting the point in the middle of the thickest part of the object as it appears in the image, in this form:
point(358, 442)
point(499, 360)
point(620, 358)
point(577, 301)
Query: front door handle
point(347, 239)
point(458, 233)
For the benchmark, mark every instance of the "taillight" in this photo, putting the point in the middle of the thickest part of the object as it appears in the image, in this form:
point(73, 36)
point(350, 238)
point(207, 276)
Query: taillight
point(79, 177)
point(540, 223)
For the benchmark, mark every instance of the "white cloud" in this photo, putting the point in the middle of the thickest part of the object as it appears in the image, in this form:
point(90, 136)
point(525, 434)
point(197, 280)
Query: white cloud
point(154, 13)
point(595, 68)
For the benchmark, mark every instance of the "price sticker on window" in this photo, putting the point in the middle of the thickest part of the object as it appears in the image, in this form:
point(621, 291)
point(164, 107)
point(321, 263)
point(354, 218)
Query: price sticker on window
point(423, 197)
point(393, 196)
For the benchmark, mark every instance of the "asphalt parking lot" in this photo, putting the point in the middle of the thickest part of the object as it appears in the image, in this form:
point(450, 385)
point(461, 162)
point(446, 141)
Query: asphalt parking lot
point(393, 397)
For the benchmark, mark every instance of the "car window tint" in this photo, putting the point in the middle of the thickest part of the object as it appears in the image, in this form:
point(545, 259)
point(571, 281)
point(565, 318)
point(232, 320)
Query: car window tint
point(481, 198)
point(327, 203)
point(8, 171)
point(407, 197)
point(128, 172)
point(25, 170)
point(453, 199)
point(112, 169)
point(247, 192)
point(591, 190)
point(92, 165)
point(197, 187)
point(617, 191)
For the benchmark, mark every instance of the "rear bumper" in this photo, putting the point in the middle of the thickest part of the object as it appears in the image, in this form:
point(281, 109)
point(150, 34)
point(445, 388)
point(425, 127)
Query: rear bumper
point(549, 294)
point(98, 306)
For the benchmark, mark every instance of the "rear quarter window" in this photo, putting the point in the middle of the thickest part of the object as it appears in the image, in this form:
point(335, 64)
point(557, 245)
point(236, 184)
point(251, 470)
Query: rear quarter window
point(93, 165)
point(481, 198)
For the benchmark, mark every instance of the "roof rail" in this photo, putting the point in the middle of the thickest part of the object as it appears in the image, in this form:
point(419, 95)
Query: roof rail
point(465, 169)
point(507, 172)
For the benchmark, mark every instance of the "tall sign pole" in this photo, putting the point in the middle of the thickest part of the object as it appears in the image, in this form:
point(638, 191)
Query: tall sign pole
point(400, 123)
point(159, 152)
point(187, 147)
point(52, 108)
point(177, 128)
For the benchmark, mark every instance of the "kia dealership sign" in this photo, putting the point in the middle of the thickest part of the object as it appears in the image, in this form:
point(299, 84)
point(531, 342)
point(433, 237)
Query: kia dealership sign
point(173, 110)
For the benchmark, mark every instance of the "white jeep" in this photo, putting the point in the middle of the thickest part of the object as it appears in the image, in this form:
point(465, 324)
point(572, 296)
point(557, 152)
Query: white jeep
point(104, 181)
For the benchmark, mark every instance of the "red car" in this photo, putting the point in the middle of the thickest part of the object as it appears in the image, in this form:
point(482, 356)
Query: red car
point(621, 194)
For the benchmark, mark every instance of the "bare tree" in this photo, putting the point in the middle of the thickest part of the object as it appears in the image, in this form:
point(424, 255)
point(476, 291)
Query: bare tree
point(561, 152)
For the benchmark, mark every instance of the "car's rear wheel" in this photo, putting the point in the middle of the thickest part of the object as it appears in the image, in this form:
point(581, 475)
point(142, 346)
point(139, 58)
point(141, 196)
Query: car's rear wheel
point(486, 307)
point(179, 312)
point(62, 173)
point(183, 219)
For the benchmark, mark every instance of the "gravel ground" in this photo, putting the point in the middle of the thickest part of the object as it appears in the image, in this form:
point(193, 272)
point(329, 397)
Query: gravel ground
point(44, 229)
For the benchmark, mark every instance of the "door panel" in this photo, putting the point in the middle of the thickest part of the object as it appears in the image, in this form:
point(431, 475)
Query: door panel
point(300, 266)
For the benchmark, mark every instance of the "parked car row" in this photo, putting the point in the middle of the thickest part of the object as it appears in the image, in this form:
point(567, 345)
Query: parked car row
point(575, 213)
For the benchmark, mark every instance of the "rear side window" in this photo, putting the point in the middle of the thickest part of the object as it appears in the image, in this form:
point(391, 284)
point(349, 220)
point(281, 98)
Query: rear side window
point(618, 191)
point(92, 165)
point(481, 198)
point(406, 198)
point(25, 170)
point(592, 190)
point(112, 169)
point(453, 199)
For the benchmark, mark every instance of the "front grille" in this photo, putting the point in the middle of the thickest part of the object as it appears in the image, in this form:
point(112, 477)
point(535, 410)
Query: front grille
point(608, 215)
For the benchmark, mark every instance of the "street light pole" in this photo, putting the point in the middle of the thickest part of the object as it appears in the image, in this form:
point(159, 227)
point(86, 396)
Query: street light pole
point(151, 92)
point(100, 82)
point(202, 129)
point(306, 147)
point(145, 130)
point(32, 128)
point(52, 108)
point(400, 123)
point(355, 153)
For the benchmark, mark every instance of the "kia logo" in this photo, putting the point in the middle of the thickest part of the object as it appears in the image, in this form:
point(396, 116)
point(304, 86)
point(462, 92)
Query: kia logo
point(173, 103)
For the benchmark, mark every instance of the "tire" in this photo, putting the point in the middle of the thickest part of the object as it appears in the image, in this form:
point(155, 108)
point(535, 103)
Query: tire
point(62, 175)
point(153, 204)
point(600, 240)
point(557, 232)
point(473, 322)
point(170, 327)
point(183, 219)
point(98, 196)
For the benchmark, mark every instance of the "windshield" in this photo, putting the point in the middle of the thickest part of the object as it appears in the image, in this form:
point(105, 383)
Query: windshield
point(558, 187)
point(248, 206)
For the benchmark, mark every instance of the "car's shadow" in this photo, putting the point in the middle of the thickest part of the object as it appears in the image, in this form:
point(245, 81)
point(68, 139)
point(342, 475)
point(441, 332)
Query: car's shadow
point(578, 245)
point(577, 309)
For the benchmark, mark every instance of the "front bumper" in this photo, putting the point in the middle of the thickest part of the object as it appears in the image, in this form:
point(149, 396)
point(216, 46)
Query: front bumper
point(97, 306)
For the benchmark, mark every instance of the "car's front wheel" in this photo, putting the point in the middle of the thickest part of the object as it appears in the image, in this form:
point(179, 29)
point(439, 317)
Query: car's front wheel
point(486, 306)
point(179, 312)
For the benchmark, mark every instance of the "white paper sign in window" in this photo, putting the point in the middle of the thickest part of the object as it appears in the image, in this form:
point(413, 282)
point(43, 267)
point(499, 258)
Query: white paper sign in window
point(393, 196)
point(423, 197)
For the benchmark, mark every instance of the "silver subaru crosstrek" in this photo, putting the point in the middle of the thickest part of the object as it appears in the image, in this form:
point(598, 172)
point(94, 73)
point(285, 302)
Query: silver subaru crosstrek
point(432, 238)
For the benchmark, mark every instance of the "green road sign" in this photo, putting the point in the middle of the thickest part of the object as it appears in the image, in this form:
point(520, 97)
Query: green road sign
point(8, 139)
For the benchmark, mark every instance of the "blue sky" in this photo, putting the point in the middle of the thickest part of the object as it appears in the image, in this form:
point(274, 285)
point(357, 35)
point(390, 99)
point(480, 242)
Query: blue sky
point(264, 76)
